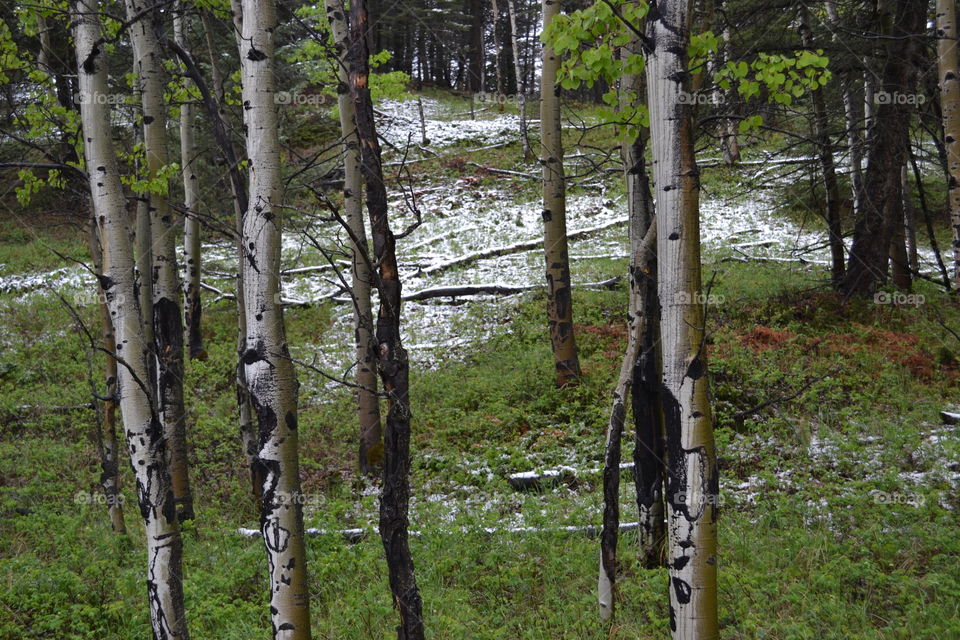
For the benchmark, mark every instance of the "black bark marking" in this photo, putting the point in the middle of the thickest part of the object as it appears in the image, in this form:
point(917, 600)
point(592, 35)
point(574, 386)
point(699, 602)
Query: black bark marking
point(681, 590)
point(696, 370)
point(256, 55)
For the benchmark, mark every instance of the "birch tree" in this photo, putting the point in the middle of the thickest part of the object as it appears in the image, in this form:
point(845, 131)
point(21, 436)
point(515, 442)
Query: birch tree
point(639, 369)
point(368, 403)
point(559, 295)
point(167, 321)
point(107, 425)
point(518, 75)
point(146, 439)
point(191, 195)
point(393, 364)
point(692, 483)
point(949, 68)
point(270, 376)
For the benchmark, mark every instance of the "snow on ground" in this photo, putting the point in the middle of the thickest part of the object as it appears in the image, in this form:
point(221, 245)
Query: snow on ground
point(399, 123)
point(462, 218)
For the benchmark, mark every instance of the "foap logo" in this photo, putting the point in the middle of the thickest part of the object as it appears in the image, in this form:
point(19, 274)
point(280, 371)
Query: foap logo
point(697, 500)
point(899, 298)
point(698, 298)
point(899, 497)
point(90, 497)
point(297, 98)
point(499, 98)
point(95, 97)
point(700, 98)
point(895, 97)
point(86, 298)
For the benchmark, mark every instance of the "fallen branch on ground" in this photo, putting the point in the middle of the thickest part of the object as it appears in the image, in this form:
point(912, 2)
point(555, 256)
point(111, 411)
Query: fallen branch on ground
point(354, 536)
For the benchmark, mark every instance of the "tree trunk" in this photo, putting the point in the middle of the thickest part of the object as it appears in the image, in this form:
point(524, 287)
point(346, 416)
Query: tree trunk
point(270, 376)
point(947, 62)
point(821, 128)
point(167, 319)
point(393, 363)
point(518, 75)
point(691, 457)
point(559, 296)
point(881, 199)
point(636, 377)
point(476, 56)
point(854, 139)
point(910, 221)
point(368, 403)
point(146, 440)
point(495, 23)
point(191, 225)
point(238, 190)
point(107, 428)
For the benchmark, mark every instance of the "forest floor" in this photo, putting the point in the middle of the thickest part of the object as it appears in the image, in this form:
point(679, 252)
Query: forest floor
point(840, 506)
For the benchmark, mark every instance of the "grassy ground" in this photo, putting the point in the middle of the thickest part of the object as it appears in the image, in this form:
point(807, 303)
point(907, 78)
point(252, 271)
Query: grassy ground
point(838, 519)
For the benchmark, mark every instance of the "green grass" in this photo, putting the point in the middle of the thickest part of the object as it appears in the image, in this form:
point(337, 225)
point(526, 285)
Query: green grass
point(808, 554)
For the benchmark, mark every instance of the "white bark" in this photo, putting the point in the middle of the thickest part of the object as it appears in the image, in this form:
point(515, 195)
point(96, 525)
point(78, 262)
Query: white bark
point(191, 197)
point(518, 75)
point(270, 375)
point(559, 294)
point(167, 318)
point(368, 404)
point(691, 457)
point(146, 443)
point(949, 68)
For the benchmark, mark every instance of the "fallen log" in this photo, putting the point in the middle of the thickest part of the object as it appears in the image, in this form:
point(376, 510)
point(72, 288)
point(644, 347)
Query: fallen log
point(353, 536)
point(489, 289)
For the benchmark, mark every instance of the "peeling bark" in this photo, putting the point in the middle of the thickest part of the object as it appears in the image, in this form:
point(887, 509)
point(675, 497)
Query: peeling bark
point(393, 364)
point(368, 404)
point(559, 294)
point(270, 376)
point(145, 437)
point(692, 481)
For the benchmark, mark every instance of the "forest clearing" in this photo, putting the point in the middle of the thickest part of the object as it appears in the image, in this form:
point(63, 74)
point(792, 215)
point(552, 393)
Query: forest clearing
point(274, 318)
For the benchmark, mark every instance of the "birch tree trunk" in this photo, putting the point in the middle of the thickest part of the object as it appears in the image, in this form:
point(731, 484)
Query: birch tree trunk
point(393, 365)
point(518, 74)
point(167, 321)
point(947, 62)
point(635, 378)
point(368, 403)
point(107, 429)
point(191, 225)
point(270, 375)
point(496, 54)
point(559, 295)
point(692, 484)
point(146, 441)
